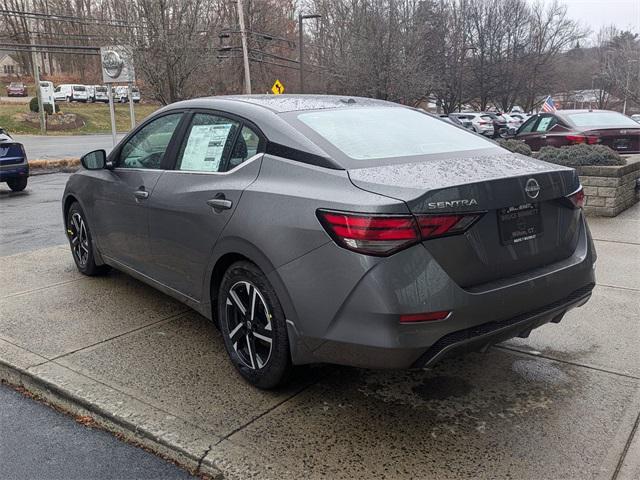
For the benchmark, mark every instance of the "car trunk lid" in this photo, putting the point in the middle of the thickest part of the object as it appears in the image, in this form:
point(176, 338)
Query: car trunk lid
point(514, 193)
point(623, 140)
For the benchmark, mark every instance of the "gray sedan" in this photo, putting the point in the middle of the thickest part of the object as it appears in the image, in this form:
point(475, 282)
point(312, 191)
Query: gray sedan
point(334, 229)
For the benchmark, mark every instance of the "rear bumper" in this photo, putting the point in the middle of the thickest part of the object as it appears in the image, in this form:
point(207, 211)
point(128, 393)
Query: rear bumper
point(346, 307)
point(483, 336)
point(13, 171)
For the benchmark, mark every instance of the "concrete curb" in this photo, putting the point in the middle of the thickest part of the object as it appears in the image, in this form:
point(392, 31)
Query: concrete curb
point(112, 411)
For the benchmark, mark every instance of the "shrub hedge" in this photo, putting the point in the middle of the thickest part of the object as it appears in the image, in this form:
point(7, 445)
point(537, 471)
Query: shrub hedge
point(515, 146)
point(569, 156)
point(48, 108)
point(580, 155)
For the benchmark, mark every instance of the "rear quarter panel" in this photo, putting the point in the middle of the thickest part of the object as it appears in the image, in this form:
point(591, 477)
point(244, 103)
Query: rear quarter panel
point(275, 221)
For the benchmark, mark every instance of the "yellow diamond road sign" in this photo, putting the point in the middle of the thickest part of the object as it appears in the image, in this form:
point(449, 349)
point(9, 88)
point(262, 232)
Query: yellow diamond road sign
point(277, 88)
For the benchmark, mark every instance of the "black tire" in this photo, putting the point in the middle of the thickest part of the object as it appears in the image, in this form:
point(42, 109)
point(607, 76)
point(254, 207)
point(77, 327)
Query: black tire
point(81, 244)
point(248, 352)
point(17, 184)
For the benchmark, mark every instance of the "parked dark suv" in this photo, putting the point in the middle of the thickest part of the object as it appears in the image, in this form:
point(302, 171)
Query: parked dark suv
point(14, 168)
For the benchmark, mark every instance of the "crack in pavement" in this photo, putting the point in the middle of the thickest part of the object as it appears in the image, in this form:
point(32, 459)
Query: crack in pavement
point(166, 319)
point(25, 292)
point(201, 459)
point(625, 451)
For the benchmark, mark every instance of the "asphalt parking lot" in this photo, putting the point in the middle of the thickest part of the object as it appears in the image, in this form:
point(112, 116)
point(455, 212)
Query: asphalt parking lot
point(564, 403)
point(54, 147)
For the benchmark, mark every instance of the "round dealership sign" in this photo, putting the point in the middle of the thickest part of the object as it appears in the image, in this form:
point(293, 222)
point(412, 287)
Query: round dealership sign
point(112, 63)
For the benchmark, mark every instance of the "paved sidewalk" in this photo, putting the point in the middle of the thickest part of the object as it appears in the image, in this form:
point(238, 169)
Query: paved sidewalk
point(564, 403)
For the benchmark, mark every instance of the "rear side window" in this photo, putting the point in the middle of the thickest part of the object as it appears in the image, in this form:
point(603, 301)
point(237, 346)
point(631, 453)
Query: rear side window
point(546, 123)
point(387, 132)
point(207, 142)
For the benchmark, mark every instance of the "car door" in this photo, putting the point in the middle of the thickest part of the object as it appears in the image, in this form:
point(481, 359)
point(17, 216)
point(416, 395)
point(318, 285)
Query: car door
point(546, 122)
point(122, 196)
point(219, 158)
point(527, 133)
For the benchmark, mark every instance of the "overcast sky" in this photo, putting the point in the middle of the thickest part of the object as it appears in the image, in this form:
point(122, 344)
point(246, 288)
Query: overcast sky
point(624, 14)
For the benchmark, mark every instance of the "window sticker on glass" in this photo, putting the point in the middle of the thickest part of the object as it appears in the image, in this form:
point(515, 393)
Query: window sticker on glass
point(205, 147)
point(543, 126)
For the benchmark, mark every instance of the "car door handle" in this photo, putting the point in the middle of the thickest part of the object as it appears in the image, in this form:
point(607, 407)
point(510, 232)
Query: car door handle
point(141, 194)
point(543, 137)
point(220, 203)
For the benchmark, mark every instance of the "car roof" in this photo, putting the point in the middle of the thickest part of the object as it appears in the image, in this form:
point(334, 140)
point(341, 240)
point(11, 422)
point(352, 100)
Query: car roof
point(298, 102)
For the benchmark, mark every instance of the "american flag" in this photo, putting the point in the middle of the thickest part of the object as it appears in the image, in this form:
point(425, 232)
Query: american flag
point(548, 105)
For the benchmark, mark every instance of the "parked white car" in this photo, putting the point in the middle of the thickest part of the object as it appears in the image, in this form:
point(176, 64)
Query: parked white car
point(513, 121)
point(481, 122)
point(121, 94)
point(70, 93)
point(98, 93)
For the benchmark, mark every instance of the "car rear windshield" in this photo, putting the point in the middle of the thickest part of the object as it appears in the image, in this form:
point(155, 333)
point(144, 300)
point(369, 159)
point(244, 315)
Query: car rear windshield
point(101, 89)
point(387, 132)
point(79, 88)
point(601, 119)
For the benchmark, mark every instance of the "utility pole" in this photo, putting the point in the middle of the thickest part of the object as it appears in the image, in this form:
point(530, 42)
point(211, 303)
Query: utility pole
point(626, 87)
point(36, 78)
point(302, 17)
point(245, 49)
point(301, 52)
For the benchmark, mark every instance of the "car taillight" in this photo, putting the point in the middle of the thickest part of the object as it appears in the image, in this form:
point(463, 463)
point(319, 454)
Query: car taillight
point(577, 139)
point(382, 235)
point(432, 226)
point(577, 198)
point(370, 234)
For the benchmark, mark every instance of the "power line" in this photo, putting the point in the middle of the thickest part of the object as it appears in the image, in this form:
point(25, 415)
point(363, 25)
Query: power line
point(37, 45)
point(68, 18)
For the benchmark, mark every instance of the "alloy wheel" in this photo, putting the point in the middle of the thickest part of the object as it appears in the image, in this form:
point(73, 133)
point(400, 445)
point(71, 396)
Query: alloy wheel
point(249, 324)
point(79, 239)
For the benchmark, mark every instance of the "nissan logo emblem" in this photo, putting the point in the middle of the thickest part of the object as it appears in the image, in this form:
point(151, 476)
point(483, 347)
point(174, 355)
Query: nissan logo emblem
point(532, 188)
point(112, 63)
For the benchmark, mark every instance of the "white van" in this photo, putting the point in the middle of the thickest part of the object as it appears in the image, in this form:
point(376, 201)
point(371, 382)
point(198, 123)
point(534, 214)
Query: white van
point(121, 94)
point(71, 93)
point(46, 92)
point(97, 93)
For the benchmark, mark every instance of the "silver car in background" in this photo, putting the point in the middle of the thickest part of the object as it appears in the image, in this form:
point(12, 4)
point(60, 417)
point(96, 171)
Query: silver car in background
point(480, 122)
point(334, 229)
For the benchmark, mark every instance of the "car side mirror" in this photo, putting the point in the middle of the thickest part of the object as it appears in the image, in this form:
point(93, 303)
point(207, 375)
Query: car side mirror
point(96, 160)
point(512, 131)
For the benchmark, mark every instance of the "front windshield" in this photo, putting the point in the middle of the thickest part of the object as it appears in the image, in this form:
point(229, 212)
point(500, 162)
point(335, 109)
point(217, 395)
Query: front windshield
point(387, 132)
point(601, 119)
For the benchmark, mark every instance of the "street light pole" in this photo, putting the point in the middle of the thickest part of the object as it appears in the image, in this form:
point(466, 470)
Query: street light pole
point(245, 49)
point(302, 17)
point(626, 87)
